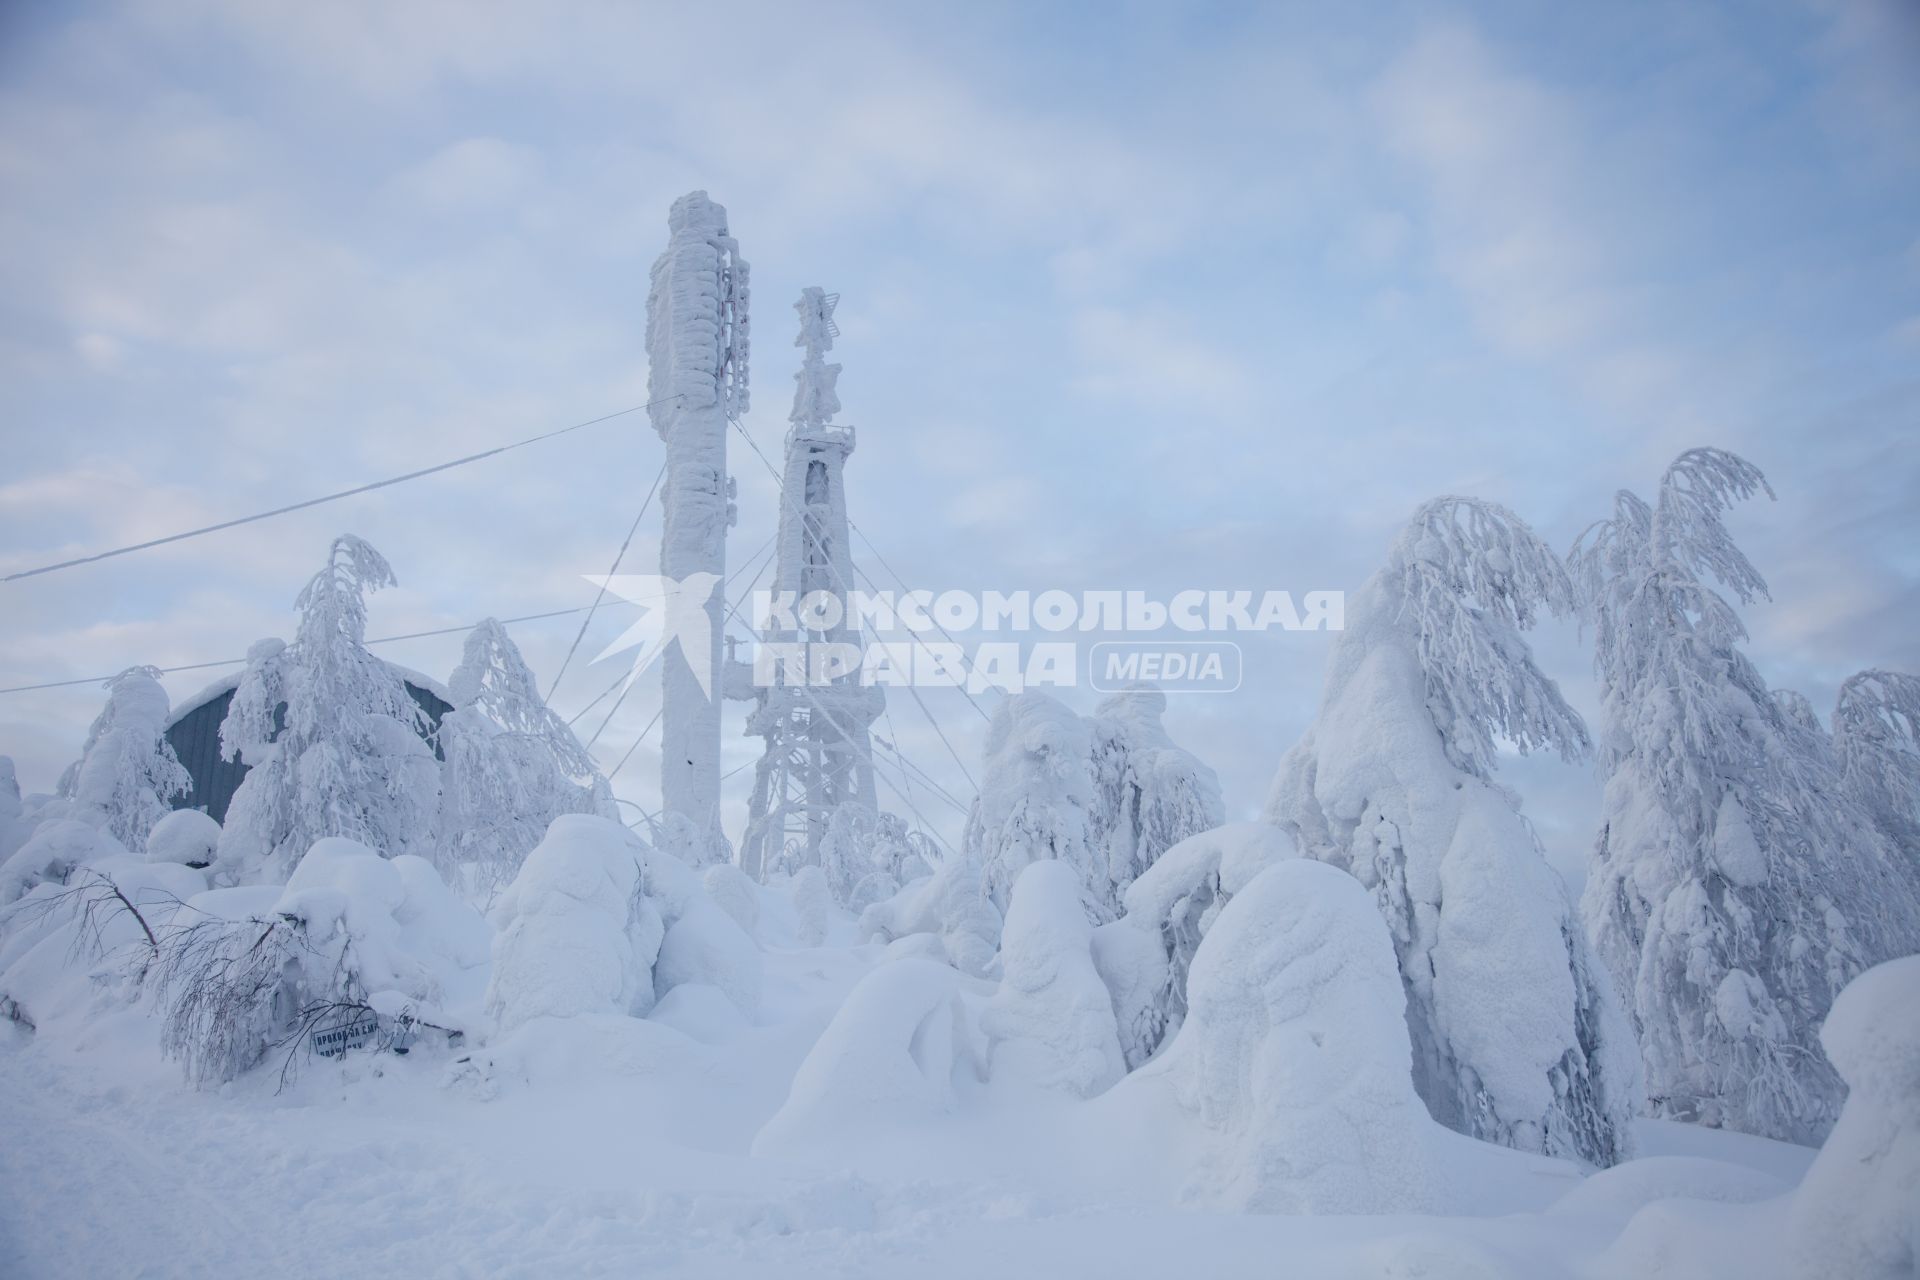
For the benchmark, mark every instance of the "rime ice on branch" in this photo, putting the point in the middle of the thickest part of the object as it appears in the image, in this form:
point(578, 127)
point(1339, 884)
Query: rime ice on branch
point(697, 356)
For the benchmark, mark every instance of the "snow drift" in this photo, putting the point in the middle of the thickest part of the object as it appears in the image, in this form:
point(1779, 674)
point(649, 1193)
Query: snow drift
point(1294, 1060)
point(1145, 956)
point(1051, 1023)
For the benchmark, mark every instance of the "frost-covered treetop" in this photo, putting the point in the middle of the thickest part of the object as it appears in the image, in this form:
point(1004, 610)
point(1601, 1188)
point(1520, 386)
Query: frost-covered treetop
point(1468, 575)
point(1666, 551)
point(334, 601)
point(495, 680)
point(1876, 733)
point(333, 670)
point(1686, 529)
point(127, 772)
point(1644, 583)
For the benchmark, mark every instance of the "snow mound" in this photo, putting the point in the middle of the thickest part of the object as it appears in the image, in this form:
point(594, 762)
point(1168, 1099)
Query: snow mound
point(389, 931)
point(897, 1054)
point(1295, 1061)
point(1624, 1190)
point(704, 945)
point(186, 836)
point(51, 854)
point(1144, 956)
point(734, 894)
point(69, 949)
point(812, 905)
point(1857, 1213)
point(573, 933)
point(1051, 1023)
point(951, 904)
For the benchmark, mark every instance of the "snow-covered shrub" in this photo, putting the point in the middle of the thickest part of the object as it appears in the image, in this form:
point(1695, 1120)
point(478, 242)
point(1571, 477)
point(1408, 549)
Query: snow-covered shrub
point(575, 932)
point(1737, 883)
point(1294, 1060)
point(1144, 956)
point(230, 988)
point(704, 945)
point(898, 1052)
point(127, 772)
point(345, 758)
point(186, 836)
point(1516, 1036)
point(1036, 798)
point(1855, 1214)
point(812, 905)
point(1051, 1022)
point(734, 894)
point(1876, 735)
point(598, 923)
point(951, 906)
point(867, 856)
point(352, 933)
point(56, 847)
point(511, 765)
point(1149, 793)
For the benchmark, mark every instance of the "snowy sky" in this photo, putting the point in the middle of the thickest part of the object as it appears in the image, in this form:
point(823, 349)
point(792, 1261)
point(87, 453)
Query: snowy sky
point(1137, 295)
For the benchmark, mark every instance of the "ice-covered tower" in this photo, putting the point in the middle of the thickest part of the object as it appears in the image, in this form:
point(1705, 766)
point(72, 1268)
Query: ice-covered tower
point(697, 357)
point(819, 754)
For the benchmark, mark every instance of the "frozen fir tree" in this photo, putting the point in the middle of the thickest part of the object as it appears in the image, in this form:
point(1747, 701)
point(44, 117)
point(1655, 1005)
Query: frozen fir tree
point(330, 732)
point(867, 856)
point(1876, 737)
point(1149, 793)
point(511, 766)
point(1736, 886)
point(1517, 1037)
point(127, 773)
point(1036, 799)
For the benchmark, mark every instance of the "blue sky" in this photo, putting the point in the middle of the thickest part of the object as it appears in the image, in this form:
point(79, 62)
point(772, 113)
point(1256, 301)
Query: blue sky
point(1134, 296)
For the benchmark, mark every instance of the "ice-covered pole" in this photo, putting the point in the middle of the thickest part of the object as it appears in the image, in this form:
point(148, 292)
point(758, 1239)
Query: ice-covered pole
point(697, 356)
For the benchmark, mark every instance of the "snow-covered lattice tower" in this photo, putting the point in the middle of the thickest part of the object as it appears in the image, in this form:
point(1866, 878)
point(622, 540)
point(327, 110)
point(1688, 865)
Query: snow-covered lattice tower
point(697, 358)
point(819, 754)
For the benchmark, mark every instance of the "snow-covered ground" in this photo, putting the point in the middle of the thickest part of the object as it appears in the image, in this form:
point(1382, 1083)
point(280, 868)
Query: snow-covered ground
point(623, 1146)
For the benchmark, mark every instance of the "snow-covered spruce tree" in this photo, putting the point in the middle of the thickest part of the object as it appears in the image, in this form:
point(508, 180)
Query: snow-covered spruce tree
point(127, 772)
point(1517, 1038)
point(1036, 799)
point(1876, 737)
point(511, 766)
point(1149, 794)
point(1735, 887)
point(867, 856)
point(345, 757)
